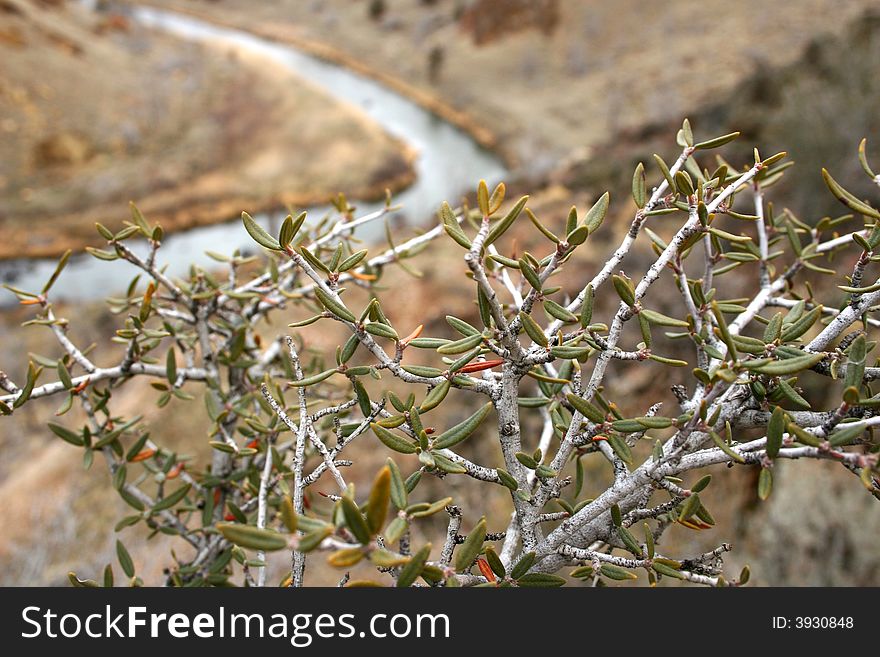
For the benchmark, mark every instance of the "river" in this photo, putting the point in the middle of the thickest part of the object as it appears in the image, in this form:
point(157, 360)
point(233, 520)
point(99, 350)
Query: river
point(449, 162)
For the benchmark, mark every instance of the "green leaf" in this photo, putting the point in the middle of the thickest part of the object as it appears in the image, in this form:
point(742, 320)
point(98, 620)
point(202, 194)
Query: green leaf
point(690, 506)
point(620, 448)
point(62, 262)
point(522, 566)
point(334, 306)
point(501, 227)
point(258, 234)
point(789, 365)
point(654, 422)
point(411, 571)
point(461, 346)
point(288, 514)
point(716, 142)
point(506, 479)
point(863, 160)
point(313, 539)
point(568, 353)
point(124, 559)
point(616, 572)
point(775, 429)
point(452, 227)
point(765, 483)
point(533, 330)
point(312, 380)
point(803, 436)
point(254, 538)
point(793, 396)
point(540, 580)
point(855, 364)
point(25, 394)
point(100, 254)
point(683, 183)
point(397, 487)
point(587, 308)
point(845, 435)
point(392, 440)
point(76, 582)
point(638, 186)
point(624, 289)
point(596, 214)
point(430, 509)
point(467, 552)
point(354, 520)
point(796, 329)
point(848, 199)
point(483, 198)
point(724, 447)
point(463, 430)
point(662, 320)
point(701, 484)
point(352, 261)
point(171, 367)
point(585, 408)
point(627, 426)
point(687, 134)
point(495, 562)
point(578, 236)
point(562, 314)
point(380, 493)
point(668, 571)
point(529, 273)
point(462, 326)
point(381, 330)
point(66, 434)
point(170, 500)
point(497, 197)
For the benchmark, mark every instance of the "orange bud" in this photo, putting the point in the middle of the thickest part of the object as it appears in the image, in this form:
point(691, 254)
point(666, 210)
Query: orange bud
point(478, 367)
point(690, 524)
point(412, 336)
point(143, 455)
point(484, 567)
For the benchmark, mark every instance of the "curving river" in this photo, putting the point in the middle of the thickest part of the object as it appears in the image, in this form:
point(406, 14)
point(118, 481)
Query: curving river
point(449, 162)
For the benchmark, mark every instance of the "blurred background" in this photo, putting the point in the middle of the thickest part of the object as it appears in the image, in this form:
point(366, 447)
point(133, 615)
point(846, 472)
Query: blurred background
point(199, 109)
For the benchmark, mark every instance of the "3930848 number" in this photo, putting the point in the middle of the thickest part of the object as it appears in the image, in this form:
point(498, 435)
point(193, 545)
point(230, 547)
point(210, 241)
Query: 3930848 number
point(823, 622)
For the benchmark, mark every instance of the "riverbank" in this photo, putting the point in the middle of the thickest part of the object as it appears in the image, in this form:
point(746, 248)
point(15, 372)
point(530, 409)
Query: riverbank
point(98, 111)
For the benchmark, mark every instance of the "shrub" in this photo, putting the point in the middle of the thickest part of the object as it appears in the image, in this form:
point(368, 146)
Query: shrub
point(280, 422)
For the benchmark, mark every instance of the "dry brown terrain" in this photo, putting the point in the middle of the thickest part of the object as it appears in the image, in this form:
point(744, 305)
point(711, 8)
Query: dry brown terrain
point(97, 111)
point(545, 89)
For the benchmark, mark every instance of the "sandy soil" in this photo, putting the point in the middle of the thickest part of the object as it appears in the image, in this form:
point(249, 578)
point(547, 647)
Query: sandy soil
point(97, 112)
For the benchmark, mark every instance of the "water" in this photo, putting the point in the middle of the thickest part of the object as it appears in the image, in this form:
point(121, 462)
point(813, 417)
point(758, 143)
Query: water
point(449, 162)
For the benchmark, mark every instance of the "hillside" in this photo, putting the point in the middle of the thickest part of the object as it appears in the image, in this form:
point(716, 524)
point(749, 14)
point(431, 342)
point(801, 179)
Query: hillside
point(98, 111)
